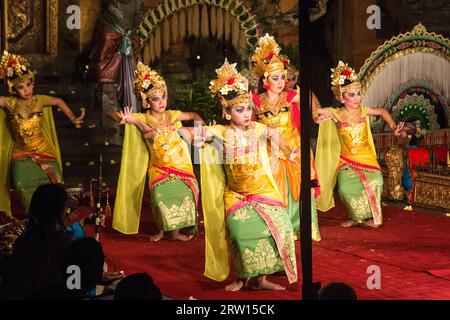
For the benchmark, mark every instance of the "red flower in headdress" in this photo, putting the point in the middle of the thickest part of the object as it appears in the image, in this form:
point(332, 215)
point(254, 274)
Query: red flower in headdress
point(285, 62)
point(346, 73)
point(230, 81)
point(269, 56)
point(12, 63)
point(147, 76)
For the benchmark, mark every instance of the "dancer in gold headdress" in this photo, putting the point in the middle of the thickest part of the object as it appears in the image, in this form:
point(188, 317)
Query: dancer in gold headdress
point(29, 153)
point(346, 152)
point(163, 155)
point(279, 109)
point(244, 215)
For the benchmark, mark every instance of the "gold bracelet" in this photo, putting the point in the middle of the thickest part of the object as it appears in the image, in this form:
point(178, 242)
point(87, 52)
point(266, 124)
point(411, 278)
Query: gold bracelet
point(394, 127)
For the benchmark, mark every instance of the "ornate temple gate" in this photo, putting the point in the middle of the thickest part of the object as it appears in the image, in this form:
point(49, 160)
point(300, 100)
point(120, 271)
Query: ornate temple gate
point(30, 28)
point(175, 20)
point(408, 75)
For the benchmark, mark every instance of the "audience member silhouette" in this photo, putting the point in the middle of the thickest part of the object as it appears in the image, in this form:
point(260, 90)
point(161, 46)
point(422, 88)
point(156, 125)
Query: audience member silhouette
point(38, 252)
point(138, 286)
point(337, 291)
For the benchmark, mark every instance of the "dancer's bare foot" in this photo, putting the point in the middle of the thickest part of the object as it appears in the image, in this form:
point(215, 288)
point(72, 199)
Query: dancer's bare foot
point(370, 223)
point(157, 237)
point(264, 284)
point(235, 286)
point(177, 235)
point(349, 223)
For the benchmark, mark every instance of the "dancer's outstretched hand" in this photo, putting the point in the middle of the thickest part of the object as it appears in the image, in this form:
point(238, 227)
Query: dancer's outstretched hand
point(126, 115)
point(199, 137)
point(399, 129)
point(324, 117)
point(79, 120)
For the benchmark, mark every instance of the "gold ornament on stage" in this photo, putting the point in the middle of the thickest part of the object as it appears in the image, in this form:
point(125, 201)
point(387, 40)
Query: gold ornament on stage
point(107, 207)
point(14, 69)
point(148, 83)
point(230, 80)
point(343, 79)
point(267, 58)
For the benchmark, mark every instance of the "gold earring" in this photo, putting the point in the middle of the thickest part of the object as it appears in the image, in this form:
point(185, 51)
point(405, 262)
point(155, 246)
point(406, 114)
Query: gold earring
point(228, 117)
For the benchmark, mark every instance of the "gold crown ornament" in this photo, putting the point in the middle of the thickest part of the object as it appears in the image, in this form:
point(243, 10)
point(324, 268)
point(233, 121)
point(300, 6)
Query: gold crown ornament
point(343, 79)
point(229, 80)
point(14, 69)
point(267, 58)
point(148, 83)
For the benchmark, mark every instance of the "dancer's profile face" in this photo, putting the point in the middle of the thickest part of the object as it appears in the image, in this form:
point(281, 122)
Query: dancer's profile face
point(352, 98)
point(25, 89)
point(291, 80)
point(277, 81)
point(158, 102)
point(241, 115)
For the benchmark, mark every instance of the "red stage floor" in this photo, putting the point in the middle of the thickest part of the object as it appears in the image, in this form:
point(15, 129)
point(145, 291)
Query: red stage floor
point(412, 250)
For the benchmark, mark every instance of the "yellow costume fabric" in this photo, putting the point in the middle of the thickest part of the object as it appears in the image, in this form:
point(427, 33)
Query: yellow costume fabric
point(7, 144)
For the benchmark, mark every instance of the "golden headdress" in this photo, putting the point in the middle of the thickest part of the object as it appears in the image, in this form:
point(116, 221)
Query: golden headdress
point(343, 79)
point(148, 82)
point(267, 58)
point(14, 68)
point(230, 80)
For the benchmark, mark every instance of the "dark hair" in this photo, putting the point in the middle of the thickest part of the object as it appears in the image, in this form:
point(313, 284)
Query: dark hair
point(46, 212)
point(138, 286)
point(337, 291)
point(260, 86)
point(87, 254)
point(230, 95)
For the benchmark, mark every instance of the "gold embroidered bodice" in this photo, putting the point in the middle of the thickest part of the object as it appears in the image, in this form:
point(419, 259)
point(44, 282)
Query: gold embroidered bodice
point(353, 132)
point(26, 126)
point(277, 115)
point(354, 136)
point(242, 160)
point(166, 147)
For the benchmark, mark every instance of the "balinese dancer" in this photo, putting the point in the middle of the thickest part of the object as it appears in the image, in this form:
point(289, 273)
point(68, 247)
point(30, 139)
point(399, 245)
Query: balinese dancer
point(29, 155)
point(244, 214)
point(346, 152)
point(163, 155)
point(279, 109)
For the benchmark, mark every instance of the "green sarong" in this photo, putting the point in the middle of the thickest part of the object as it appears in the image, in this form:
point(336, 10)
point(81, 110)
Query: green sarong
point(294, 214)
point(27, 176)
point(354, 196)
point(173, 204)
point(252, 245)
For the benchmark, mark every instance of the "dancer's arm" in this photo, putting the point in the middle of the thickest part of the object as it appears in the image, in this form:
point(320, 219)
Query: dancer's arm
point(387, 117)
point(184, 116)
point(282, 145)
point(197, 136)
point(54, 101)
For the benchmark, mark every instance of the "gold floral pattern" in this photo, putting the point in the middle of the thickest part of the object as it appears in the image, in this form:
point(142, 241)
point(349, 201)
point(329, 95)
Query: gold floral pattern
point(26, 125)
point(260, 256)
point(240, 215)
point(177, 216)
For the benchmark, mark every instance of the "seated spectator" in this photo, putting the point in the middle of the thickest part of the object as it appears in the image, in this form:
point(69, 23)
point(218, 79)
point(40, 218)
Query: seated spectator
point(38, 252)
point(86, 254)
point(138, 286)
point(337, 291)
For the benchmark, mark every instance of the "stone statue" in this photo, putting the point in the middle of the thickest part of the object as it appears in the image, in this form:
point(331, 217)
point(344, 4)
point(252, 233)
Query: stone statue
point(112, 59)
